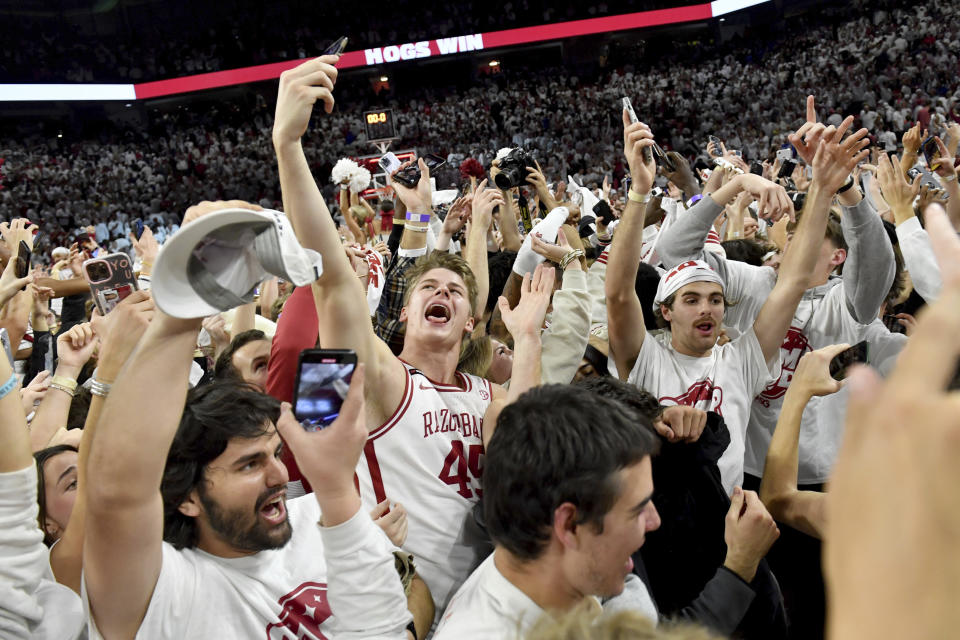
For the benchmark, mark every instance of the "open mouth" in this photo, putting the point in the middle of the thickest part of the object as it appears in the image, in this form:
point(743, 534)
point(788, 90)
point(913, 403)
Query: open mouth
point(704, 328)
point(275, 511)
point(437, 314)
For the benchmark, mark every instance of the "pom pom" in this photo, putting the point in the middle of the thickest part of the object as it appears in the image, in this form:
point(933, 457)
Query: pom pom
point(343, 171)
point(471, 168)
point(360, 180)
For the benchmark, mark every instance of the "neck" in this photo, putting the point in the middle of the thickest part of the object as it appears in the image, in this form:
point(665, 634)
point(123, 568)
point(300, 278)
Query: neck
point(439, 364)
point(685, 350)
point(818, 279)
point(541, 580)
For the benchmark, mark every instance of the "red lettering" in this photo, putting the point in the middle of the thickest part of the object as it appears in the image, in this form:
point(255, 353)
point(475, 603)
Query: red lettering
point(427, 424)
point(468, 468)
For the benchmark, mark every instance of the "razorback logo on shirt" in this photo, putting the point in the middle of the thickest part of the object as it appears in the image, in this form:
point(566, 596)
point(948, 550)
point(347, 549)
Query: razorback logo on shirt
point(302, 612)
point(702, 391)
point(795, 344)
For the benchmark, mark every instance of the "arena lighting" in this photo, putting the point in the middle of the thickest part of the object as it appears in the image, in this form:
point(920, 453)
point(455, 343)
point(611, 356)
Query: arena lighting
point(494, 63)
point(377, 55)
point(384, 78)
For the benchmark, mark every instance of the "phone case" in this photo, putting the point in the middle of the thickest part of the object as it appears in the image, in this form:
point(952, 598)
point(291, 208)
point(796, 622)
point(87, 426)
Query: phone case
point(111, 280)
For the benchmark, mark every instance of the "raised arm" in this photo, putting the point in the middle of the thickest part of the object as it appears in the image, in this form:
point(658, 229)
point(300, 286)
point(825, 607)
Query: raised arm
point(832, 163)
point(484, 200)
point(124, 531)
point(802, 510)
point(340, 302)
point(624, 311)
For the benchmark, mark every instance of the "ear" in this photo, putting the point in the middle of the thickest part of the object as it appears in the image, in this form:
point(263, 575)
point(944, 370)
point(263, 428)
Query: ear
point(471, 323)
point(190, 506)
point(51, 528)
point(665, 312)
point(565, 525)
point(403, 314)
point(839, 257)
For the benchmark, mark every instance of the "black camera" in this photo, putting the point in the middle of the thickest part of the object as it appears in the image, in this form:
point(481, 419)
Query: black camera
point(513, 169)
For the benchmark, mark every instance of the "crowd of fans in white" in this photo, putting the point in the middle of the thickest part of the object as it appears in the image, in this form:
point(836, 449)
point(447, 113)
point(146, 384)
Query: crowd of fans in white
point(597, 393)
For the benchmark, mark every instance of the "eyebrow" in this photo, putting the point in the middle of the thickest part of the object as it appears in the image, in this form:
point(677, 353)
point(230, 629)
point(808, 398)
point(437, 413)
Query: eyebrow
point(239, 462)
point(642, 505)
point(63, 475)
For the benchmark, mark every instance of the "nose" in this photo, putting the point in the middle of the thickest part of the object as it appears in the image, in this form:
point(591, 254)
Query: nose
point(277, 473)
point(653, 518)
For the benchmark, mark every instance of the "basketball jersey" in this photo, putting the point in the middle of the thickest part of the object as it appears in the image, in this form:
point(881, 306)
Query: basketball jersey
point(428, 456)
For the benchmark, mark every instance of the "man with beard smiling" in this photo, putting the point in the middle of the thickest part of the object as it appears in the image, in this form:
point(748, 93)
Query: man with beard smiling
point(200, 542)
point(684, 365)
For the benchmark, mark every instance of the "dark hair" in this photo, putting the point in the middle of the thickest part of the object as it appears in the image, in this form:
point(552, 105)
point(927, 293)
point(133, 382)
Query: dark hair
point(41, 457)
point(648, 278)
point(79, 408)
point(631, 395)
point(224, 369)
point(499, 268)
point(214, 414)
point(746, 250)
point(557, 444)
point(663, 323)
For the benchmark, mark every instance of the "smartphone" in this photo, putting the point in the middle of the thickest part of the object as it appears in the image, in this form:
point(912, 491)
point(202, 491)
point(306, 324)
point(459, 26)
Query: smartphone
point(717, 142)
point(786, 169)
point(338, 47)
point(323, 378)
point(23, 260)
point(663, 159)
point(111, 280)
point(137, 228)
point(389, 162)
point(737, 152)
point(857, 354)
point(628, 105)
point(931, 153)
point(784, 155)
point(756, 168)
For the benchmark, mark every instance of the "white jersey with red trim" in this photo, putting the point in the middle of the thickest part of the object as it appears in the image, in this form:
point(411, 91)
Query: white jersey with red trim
point(428, 456)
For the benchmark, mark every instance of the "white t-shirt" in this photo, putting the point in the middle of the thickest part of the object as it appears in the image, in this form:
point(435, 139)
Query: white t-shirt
point(724, 382)
point(428, 456)
point(32, 603)
point(283, 593)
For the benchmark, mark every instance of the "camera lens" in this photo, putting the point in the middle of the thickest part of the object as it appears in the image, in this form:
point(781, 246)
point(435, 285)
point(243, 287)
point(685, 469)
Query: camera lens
point(98, 271)
point(508, 178)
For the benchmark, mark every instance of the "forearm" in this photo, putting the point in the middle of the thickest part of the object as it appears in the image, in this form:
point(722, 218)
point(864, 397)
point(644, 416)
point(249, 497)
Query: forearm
point(244, 316)
point(735, 225)
point(526, 364)
point(53, 410)
point(870, 266)
point(142, 414)
point(414, 235)
point(15, 454)
point(919, 260)
point(564, 343)
point(476, 257)
point(780, 471)
point(63, 288)
point(800, 260)
point(624, 258)
point(953, 203)
point(420, 604)
point(508, 223)
point(683, 240)
point(722, 604)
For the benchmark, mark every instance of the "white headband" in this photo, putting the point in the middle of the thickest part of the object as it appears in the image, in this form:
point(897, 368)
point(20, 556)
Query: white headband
point(683, 274)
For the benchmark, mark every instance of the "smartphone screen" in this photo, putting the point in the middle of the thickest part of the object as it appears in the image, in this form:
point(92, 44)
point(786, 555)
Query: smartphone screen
point(137, 228)
point(433, 161)
point(23, 260)
point(323, 378)
point(931, 152)
point(857, 354)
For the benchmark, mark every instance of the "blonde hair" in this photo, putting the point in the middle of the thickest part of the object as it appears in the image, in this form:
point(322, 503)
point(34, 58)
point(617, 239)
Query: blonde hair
point(586, 622)
point(476, 354)
point(442, 260)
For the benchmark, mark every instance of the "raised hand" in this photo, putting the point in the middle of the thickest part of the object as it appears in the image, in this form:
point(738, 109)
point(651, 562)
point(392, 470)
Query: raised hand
point(146, 247)
point(836, 158)
point(945, 168)
point(812, 376)
point(216, 327)
point(807, 138)
point(527, 317)
point(33, 393)
point(550, 251)
point(772, 200)
point(120, 332)
point(458, 215)
point(420, 198)
point(300, 88)
point(637, 137)
point(912, 139)
point(898, 193)
point(76, 347)
point(20, 230)
point(484, 202)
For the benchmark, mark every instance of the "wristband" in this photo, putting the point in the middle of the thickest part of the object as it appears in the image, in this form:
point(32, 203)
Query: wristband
point(847, 185)
point(407, 227)
point(98, 388)
point(949, 178)
point(636, 197)
point(418, 217)
point(63, 381)
point(398, 221)
point(9, 385)
point(570, 257)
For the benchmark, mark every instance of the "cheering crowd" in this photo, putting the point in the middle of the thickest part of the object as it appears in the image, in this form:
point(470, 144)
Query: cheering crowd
point(602, 390)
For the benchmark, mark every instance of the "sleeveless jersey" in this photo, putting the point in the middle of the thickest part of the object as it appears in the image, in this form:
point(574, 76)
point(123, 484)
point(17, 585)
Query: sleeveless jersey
point(428, 456)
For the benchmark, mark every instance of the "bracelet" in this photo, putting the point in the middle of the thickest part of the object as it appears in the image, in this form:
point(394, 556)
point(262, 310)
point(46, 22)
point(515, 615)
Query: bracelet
point(847, 185)
point(98, 388)
point(949, 178)
point(64, 381)
point(636, 197)
point(415, 229)
point(570, 257)
point(399, 221)
point(9, 385)
point(67, 390)
point(418, 217)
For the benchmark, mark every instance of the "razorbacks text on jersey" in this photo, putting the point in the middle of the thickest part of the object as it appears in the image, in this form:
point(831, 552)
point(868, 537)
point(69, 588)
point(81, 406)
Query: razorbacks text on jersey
point(428, 456)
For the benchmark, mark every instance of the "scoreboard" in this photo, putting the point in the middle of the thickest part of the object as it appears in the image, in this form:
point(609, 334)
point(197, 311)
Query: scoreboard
point(380, 124)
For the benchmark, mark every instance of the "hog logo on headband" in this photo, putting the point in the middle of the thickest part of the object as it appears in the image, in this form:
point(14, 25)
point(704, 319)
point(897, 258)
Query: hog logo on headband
point(703, 391)
point(795, 344)
point(302, 612)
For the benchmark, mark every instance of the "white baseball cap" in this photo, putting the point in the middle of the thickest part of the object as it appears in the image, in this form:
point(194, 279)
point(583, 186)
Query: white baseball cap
point(216, 262)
